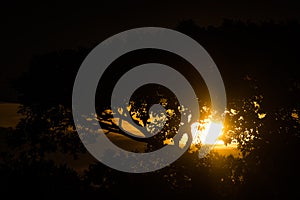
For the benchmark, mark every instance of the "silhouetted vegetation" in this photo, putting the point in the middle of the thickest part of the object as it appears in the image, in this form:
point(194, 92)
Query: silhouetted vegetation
point(258, 63)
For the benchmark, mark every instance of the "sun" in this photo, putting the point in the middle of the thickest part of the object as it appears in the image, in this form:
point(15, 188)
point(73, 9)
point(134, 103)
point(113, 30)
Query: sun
point(207, 132)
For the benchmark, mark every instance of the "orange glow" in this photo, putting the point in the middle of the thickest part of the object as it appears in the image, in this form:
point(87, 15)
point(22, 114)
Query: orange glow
point(207, 132)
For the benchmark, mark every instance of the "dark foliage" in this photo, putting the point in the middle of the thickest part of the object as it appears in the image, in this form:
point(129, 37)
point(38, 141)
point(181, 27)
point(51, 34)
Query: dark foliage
point(257, 62)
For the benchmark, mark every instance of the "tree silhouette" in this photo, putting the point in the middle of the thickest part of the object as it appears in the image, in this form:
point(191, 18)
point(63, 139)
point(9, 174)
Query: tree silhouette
point(256, 61)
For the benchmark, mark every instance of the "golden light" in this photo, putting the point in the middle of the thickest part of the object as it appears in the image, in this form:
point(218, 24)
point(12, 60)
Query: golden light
point(207, 132)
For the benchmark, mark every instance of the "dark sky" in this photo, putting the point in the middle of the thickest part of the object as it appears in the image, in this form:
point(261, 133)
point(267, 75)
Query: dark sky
point(34, 28)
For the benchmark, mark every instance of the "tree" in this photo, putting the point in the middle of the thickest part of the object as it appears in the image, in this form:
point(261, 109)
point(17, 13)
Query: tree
point(263, 122)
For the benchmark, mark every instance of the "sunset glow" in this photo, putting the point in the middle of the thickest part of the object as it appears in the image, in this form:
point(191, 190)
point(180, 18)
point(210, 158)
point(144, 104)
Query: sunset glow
point(207, 132)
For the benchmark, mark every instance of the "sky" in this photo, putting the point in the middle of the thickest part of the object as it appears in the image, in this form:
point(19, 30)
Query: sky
point(8, 115)
point(31, 28)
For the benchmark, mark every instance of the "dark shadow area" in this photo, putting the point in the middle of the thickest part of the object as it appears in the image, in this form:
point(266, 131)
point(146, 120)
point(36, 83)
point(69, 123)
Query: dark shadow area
point(258, 63)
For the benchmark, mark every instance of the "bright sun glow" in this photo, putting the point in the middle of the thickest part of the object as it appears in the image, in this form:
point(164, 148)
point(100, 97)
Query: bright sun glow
point(207, 132)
